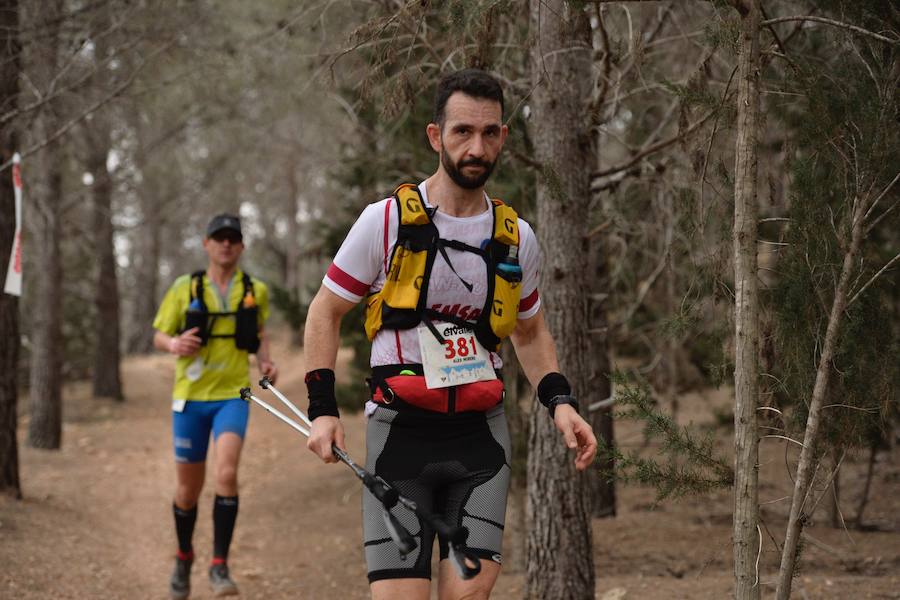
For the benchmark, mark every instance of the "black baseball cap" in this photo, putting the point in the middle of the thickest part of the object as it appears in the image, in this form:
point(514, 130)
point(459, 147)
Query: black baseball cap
point(224, 221)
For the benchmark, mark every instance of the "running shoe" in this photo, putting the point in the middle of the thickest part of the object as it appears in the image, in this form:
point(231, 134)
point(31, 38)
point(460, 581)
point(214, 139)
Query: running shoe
point(180, 583)
point(221, 582)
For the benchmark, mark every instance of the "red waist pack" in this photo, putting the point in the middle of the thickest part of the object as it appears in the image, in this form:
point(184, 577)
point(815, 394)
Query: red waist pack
point(411, 389)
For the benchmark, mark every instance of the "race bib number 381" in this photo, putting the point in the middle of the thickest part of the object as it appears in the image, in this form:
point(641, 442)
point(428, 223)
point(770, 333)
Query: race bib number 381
point(460, 359)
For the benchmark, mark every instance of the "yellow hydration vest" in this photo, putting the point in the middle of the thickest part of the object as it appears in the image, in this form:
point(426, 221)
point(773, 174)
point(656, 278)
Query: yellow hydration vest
point(401, 303)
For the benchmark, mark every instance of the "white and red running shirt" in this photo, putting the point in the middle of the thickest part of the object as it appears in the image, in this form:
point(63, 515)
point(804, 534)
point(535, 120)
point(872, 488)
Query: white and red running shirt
point(361, 263)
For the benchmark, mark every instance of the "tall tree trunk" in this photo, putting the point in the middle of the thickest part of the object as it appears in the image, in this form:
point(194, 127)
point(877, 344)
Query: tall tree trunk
point(808, 460)
point(837, 520)
point(9, 305)
point(45, 376)
point(560, 547)
point(746, 315)
point(602, 485)
point(107, 379)
point(864, 499)
point(292, 244)
point(673, 346)
point(107, 357)
point(147, 242)
point(44, 177)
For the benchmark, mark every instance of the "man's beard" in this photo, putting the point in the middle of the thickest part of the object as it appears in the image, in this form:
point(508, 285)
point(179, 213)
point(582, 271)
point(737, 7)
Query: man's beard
point(455, 171)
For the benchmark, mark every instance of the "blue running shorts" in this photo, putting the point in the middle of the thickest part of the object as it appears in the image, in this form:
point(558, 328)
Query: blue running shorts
point(191, 427)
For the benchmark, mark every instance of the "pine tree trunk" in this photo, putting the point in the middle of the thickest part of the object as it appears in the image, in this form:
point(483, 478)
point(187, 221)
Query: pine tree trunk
point(107, 357)
point(107, 379)
point(44, 179)
point(560, 553)
point(602, 485)
point(807, 465)
point(864, 499)
point(147, 243)
point(835, 517)
point(45, 376)
point(292, 245)
point(9, 305)
point(746, 363)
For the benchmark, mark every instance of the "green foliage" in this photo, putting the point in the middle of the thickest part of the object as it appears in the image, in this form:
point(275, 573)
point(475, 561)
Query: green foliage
point(850, 149)
point(686, 462)
point(723, 33)
point(693, 94)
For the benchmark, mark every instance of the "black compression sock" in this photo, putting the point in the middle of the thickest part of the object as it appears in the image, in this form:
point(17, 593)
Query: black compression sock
point(225, 509)
point(184, 527)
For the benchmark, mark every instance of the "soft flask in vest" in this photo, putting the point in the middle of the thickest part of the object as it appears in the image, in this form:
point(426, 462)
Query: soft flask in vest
point(197, 317)
point(246, 332)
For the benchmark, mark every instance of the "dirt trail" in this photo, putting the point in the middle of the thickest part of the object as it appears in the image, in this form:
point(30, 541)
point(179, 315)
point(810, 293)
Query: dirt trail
point(96, 519)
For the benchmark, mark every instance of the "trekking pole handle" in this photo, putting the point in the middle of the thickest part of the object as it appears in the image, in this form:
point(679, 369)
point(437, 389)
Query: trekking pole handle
point(385, 494)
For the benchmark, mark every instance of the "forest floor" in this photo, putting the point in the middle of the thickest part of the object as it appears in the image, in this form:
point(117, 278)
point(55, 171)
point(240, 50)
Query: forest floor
point(96, 522)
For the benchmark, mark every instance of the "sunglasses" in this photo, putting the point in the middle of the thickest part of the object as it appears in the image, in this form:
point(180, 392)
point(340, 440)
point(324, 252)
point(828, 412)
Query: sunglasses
point(231, 236)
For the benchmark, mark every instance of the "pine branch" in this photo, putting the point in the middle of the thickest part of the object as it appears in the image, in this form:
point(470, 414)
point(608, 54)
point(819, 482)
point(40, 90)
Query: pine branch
point(848, 26)
point(652, 149)
point(90, 110)
point(685, 465)
point(881, 271)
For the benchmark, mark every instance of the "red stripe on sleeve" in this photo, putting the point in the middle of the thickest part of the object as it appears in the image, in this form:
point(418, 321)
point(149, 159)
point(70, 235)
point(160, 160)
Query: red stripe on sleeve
point(387, 223)
point(526, 303)
point(347, 282)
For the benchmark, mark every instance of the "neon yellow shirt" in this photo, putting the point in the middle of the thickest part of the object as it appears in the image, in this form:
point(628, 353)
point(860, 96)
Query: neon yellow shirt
point(219, 370)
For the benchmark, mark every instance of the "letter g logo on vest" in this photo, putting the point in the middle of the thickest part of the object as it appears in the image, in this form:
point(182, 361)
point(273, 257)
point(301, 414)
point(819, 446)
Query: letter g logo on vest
point(498, 308)
point(412, 206)
point(418, 282)
point(508, 224)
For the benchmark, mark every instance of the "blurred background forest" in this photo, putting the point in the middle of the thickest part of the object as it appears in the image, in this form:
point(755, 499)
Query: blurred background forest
point(139, 120)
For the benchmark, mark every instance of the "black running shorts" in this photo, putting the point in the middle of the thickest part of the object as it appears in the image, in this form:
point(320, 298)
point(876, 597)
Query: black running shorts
point(454, 466)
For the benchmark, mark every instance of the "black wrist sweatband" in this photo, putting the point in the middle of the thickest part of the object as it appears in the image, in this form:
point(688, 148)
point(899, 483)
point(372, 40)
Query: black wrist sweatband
point(320, 388)
point(552, 385)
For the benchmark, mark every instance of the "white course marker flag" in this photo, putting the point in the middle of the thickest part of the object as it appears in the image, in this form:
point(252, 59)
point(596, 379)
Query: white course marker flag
point(14, 273)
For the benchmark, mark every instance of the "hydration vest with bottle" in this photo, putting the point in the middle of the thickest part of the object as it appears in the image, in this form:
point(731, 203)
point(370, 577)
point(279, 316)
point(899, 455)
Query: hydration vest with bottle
point(246, 323)
point(402, 302)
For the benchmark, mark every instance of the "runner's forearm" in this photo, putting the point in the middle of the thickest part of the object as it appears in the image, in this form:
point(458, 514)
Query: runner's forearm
point(263, 353)
point(535, 348)
point(321, 337)
point(163, 341)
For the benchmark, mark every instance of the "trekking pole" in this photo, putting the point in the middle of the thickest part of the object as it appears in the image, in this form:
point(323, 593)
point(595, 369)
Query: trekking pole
point(465, 562)
point(388, 496)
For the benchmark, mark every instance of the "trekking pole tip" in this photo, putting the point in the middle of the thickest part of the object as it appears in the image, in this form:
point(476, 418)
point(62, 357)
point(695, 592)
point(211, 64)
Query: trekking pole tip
point(245, 394)
point(264, 383)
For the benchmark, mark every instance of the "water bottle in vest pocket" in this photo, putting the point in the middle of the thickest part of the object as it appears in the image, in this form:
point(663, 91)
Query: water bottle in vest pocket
point(505, 306)
point(197, 316)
